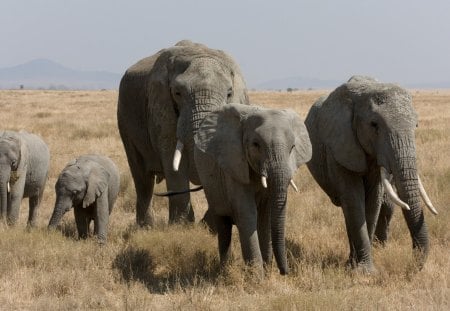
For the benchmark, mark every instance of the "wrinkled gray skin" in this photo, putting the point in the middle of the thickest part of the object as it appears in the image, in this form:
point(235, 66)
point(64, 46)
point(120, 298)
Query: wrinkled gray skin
point(235, 146)
point(24, 164)
point(90, 185)
point(162, 99)
point(361, 126)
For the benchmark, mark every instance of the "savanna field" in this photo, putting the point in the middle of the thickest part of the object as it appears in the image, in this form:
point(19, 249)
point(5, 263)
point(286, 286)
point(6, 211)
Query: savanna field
point(177, 267)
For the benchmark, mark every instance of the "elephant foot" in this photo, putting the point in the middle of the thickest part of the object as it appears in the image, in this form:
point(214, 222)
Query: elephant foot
point(361, 267)
point(184, 217)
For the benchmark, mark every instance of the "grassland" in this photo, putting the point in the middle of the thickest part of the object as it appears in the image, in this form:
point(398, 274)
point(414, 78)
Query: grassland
point(176, 267)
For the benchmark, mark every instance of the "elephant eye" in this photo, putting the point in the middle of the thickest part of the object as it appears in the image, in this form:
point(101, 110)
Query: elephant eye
point(14, 164)
point(230, 92)
point(255, 145)
point(374, 125)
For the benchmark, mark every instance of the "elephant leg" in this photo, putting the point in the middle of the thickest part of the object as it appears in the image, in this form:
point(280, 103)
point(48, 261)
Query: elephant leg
point(264, 234)
point(144, 182)
point(373, 200)
point(248, 236)
point(352, 197)
point(101, 218)
point(208, 221)
point(180, 209)
point(384, 220)
point(14, 201)
point(82, 222)
point(224, 227)
point(33, 204)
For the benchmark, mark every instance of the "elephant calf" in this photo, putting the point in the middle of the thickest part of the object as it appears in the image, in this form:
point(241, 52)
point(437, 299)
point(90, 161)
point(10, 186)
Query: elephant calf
point(246, 157)
point(24, 165)
point(90, 185)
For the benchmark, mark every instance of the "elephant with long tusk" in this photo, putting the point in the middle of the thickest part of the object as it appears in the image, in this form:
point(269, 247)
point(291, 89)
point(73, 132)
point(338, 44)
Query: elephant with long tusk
point(162, 100)
point(362, 134)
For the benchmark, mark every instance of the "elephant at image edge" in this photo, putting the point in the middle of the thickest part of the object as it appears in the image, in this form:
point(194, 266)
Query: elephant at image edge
point(90, 185)
point(24, 165)
point(246, 157)
point(162, 100)
point(360, 134)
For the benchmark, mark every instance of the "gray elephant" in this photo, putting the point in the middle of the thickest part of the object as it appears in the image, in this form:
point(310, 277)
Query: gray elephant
point(90, 185)
point(162, 100)
point(24, 165)
point(246, 157)
point(360, 134)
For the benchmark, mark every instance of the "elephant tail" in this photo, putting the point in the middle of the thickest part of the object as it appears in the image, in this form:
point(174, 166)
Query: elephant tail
point(172, 193)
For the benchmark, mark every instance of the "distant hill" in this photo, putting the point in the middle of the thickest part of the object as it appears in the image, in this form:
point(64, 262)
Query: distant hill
point(46, 74)
point(303, 83)
point(297, 83)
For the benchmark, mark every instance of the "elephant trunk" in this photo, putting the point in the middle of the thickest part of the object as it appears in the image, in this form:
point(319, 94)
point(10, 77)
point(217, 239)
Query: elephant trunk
point(203, 102)
point(407, 183)
point(61, 207)
point(277, 186)
point(4, 182)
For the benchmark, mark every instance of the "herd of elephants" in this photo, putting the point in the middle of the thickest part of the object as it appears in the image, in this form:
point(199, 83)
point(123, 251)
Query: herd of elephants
point(184, 116)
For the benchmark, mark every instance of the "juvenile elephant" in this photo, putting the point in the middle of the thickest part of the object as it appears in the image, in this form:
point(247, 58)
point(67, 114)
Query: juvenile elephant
point(246, 157)
point(360, 134)
point(162, 100)
point(24, 165)
point(90, 185)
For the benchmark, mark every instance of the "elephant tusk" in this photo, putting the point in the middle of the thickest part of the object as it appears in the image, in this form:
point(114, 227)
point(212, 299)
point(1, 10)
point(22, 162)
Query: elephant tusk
point(8, 187)
point(177, 156)
point(425, 197)
point(291, 182)
point(264, 181)
point(390, 191)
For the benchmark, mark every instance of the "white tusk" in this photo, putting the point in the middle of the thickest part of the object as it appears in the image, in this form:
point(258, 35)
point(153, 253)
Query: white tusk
point(425, 197)
point(264, 181)
point(177, 156)
point(390, 192)
point(291, 182)
point(8, 187)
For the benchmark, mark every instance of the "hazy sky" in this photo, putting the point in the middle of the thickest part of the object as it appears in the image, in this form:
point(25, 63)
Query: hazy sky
point(404, 41)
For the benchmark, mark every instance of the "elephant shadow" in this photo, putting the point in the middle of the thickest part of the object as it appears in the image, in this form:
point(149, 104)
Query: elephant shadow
point(138, 264)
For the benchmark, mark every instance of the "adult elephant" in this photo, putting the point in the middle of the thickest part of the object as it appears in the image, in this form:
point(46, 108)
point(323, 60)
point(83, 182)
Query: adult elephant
point(162, 100)
point(362, 132)
point(246, 158)
point(24, 165)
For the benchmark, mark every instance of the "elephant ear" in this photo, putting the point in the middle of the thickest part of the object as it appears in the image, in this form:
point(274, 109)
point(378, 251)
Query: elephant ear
point(302, 151)
point(158, 83)
point(220, 136)
point(334, 124)
point(97, 184)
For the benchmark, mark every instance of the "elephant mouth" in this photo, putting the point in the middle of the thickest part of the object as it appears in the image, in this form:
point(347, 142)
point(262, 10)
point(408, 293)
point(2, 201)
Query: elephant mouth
point(394, 197)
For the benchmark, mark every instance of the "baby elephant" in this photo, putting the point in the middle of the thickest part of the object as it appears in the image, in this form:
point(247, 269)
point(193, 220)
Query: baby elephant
point(90, 184)
point(24, 164)
point(246, 158)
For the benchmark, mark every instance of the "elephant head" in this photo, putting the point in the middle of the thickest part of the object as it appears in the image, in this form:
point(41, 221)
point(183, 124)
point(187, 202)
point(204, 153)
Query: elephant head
point(79, 184)
point(11, 149)
point(194, 80)
point(260, 146)
point(367, 124)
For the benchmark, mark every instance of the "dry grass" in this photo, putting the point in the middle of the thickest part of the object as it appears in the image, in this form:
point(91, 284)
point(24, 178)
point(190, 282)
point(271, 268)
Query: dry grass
point(177, 267)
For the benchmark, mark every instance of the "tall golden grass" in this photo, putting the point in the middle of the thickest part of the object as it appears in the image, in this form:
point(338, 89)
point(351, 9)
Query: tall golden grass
point(177, 267)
